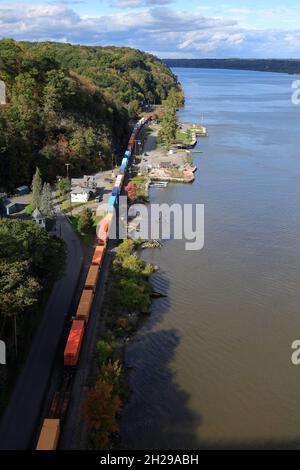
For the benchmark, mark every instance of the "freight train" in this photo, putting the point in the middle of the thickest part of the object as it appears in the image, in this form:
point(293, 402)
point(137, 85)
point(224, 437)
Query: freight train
point(50, 432)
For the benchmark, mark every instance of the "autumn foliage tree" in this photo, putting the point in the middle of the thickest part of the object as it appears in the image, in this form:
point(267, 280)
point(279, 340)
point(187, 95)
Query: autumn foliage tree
point(131, 191)
point(100, 409)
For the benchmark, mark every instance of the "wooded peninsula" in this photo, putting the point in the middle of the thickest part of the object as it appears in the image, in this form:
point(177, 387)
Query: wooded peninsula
point(291, 66)
point(71, 104)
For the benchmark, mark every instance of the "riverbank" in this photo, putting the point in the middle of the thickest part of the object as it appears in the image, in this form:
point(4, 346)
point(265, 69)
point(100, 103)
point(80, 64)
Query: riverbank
point(127, 300)
point(126, 304)
point(159, 164)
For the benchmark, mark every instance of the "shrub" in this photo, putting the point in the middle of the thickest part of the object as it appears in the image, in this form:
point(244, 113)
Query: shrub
point(104, 352)
point(85, 221)
point(100, 409)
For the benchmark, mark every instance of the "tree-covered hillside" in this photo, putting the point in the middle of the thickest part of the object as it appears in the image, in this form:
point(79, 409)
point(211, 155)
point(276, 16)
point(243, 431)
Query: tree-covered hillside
point(71, 104)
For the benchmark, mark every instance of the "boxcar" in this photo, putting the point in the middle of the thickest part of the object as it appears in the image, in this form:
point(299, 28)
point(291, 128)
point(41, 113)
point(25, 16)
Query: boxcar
point(49, 435)
point(92, 278)
point(98, 256)
point(73, 346)
point(85, 305)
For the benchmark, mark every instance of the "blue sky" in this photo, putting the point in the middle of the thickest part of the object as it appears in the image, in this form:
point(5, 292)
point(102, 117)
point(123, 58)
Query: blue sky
point(167, 28)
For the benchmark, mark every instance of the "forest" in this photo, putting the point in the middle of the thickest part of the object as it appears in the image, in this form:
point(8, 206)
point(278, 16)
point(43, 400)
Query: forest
point(71, 104)
point(291, 66)
point(31, 261)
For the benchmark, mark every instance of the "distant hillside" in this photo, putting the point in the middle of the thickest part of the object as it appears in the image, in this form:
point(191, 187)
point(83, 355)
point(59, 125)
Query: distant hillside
point(291, 66)
point(71, 104)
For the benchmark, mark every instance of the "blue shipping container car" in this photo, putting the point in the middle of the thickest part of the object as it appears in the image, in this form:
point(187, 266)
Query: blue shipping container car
point(115, 191)
point(111, 203)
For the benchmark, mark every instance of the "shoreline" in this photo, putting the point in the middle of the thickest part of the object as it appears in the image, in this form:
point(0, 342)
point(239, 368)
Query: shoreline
point(127, 368)
point(159, 164)
point(119, 326)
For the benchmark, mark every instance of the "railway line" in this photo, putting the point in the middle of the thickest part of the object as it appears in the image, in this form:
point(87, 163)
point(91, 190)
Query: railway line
point(54, 422)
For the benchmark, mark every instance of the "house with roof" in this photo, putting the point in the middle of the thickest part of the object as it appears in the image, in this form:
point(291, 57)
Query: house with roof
point(39, 218)
point(79, 194)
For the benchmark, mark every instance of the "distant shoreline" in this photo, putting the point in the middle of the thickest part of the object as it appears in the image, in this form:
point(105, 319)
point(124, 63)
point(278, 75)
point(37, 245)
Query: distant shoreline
point(290, 66)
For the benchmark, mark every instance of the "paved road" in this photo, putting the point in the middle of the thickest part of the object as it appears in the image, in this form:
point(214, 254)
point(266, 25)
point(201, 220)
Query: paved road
point(21, 417)
point(150, 145)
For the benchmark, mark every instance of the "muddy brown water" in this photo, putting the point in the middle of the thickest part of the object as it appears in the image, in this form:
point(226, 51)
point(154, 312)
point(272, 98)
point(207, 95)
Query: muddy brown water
point(211, 365)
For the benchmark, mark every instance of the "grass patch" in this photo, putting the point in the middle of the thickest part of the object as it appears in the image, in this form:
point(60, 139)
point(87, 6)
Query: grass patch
point(28, 210)
point(183, 137)
point(67, 205)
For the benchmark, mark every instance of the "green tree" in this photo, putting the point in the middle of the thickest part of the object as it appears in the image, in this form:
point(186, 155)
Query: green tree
point(174, 100)
point(53, 97)
point(85, 221)
point(169, 125)
point(25, 241)
point(111, 373)
point(37, 186)
point(125, 249)
point(46, 205)
point(18, 291)
point(104, 352)
point(64, 186)
point(133, 293)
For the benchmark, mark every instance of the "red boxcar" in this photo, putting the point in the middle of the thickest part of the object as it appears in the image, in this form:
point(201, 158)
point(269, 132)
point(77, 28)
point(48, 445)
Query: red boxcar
point(98, 256)
point(73, 346)
point(85, 305)
point(103, 229)
point(92, 278)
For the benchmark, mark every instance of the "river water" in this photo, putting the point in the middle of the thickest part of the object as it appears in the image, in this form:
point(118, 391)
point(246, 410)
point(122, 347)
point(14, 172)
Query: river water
point(212, 364)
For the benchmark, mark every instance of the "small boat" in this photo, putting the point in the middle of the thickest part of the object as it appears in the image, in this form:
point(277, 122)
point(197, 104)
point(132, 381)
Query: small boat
point(159, 184)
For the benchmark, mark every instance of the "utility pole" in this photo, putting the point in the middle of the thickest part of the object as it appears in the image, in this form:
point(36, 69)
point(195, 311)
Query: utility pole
point(70, 202)
point(67, 165)
point(135, 148)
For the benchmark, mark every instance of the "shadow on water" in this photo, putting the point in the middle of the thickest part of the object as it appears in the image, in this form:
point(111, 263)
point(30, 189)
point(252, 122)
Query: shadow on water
point(158, 414)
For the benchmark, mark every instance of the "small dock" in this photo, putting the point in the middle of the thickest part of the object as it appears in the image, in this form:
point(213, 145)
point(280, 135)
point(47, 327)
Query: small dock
point(200, 131)
point(197, 130)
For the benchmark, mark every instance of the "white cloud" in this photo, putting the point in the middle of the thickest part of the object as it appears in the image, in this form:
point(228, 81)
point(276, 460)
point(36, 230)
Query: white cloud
point(139, 3)
point(168, 32)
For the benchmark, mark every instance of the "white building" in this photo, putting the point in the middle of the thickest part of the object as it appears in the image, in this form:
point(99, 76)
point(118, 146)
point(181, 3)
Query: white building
point(79, 194)
point(39, 218)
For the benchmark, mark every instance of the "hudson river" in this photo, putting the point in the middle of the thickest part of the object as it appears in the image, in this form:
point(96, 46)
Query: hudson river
point(212, 364)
